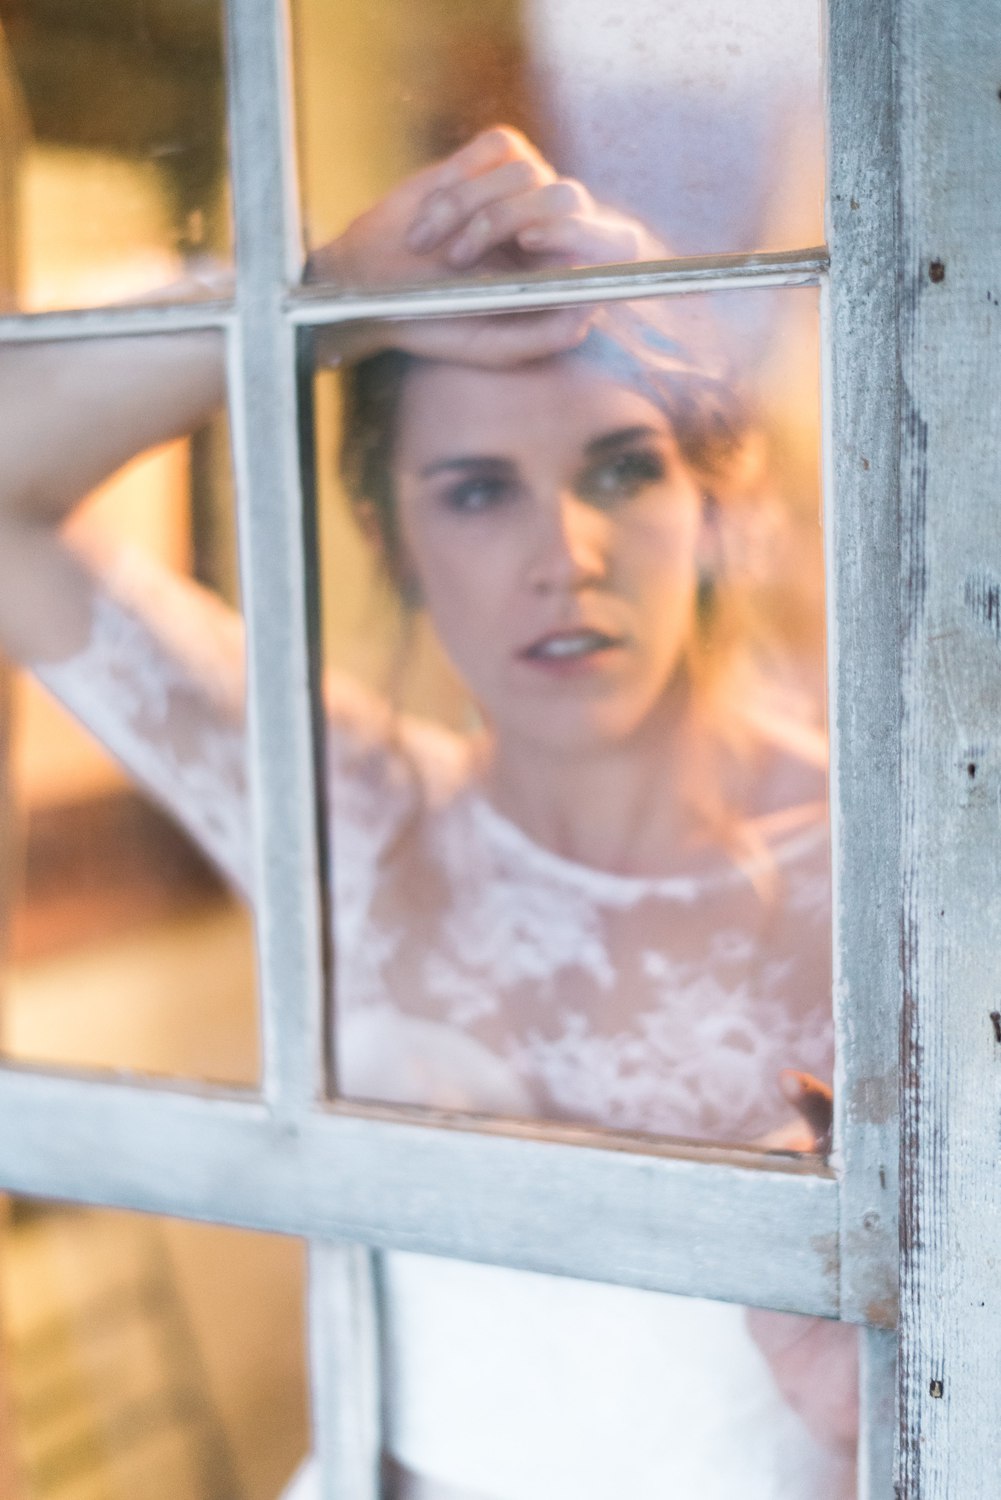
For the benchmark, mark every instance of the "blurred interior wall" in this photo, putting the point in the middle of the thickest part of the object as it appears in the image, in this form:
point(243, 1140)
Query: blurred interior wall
point(12, 136)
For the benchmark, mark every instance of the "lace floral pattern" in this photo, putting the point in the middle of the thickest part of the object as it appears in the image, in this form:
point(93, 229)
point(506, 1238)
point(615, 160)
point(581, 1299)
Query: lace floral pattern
point(665, 1006)
point(478, 971)
point(156, 711)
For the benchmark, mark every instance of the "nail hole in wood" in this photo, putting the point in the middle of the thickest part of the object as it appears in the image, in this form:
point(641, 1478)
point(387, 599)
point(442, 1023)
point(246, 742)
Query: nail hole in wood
point(971, 769)
point(996, 1023)
point(936, 1388)
point(936, 271)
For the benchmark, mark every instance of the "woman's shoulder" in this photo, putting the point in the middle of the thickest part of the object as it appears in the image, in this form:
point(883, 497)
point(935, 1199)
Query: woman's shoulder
point(786, 817)
point(374, 749)
point(789, 765)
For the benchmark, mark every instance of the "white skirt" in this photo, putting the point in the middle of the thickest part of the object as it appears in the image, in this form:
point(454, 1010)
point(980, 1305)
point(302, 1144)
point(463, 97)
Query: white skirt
point(507, 1385)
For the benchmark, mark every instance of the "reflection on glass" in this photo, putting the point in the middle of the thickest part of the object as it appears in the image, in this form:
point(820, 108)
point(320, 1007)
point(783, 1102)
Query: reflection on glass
point(703, 121)
point(580, 849)
point(130, 1365)
point(127, 837)
point(113, 173)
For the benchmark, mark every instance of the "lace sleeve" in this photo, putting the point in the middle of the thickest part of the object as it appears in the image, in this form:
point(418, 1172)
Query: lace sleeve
point(160, 683)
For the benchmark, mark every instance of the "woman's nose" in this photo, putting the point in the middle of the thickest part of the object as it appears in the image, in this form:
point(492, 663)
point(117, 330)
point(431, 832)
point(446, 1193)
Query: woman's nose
point(569, 549)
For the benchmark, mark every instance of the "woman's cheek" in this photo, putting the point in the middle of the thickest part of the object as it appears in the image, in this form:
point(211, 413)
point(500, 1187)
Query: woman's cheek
point(463, 621)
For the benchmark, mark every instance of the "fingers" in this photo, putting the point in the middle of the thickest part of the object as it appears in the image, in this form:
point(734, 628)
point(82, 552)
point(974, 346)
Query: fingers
point(495, 341)
point(583, 240)
point(814, 1101)
point(485, 195)
point(491, 148)
point(450, 209)
point(505, 219)
point(796, 1139)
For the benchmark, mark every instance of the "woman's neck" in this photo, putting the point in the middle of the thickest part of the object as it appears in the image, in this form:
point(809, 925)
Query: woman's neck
point(621, 808)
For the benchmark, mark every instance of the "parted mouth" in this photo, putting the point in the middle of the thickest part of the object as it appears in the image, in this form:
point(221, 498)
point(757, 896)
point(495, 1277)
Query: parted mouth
point(568, 645)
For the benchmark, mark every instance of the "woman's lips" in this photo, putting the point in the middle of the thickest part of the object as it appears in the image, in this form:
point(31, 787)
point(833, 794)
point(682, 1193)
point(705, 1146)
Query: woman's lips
point(569, 650)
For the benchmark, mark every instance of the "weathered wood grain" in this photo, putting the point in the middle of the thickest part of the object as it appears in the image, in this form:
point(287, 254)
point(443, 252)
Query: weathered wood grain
point(344, 1363)
point(733, 1226)
point(861, 468)
point(281, 737)
point(949, 77)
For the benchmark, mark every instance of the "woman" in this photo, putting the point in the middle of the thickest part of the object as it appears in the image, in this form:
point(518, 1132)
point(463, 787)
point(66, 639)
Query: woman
point(609, 904)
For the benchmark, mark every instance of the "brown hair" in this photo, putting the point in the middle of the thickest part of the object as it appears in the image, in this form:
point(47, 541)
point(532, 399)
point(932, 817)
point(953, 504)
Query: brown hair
point(708, 419)
point(757, 604)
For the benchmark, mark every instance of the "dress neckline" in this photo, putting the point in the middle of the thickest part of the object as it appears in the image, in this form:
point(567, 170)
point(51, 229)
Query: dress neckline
point(619, 889)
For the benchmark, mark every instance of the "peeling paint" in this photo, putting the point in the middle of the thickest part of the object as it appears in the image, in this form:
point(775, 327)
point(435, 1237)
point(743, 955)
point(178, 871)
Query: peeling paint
point(828, 1248)
point(874, 1100)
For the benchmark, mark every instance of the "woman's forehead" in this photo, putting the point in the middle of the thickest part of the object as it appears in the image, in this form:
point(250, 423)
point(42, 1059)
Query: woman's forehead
point(556, 404)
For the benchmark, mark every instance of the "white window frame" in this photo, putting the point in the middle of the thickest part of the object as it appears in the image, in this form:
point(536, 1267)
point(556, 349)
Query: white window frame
point(911, 366)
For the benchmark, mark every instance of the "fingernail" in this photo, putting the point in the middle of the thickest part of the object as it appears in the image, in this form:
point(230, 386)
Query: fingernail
point(433, 220)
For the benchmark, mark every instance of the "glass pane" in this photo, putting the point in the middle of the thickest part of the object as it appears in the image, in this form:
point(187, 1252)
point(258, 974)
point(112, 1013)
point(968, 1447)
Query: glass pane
point(573, 613)
point(130, 1363)
point(704, 121)
point(591, 1391)
point(519, 1386)
point(113, 173)
point(127, 831)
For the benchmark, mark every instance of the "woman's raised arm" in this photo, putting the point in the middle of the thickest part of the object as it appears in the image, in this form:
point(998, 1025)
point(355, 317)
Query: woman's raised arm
point(71, 414)
point(149, 661)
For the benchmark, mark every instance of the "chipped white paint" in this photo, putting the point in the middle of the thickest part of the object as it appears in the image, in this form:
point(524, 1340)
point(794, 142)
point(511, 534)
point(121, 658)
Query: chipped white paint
point(264, 425)
point(728, 1225)
point(949, 76)
point(861, 476)
point(706, 273)
point(344, 1365)
point(114, 322)
point(313, 306)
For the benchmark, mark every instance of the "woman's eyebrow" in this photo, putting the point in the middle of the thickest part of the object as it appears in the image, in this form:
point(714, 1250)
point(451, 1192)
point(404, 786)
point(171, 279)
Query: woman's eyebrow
point(463, 465)
point(620, 437)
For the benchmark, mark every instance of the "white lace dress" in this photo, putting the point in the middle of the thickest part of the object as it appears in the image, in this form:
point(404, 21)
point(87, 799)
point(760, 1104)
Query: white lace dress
point(477, 970)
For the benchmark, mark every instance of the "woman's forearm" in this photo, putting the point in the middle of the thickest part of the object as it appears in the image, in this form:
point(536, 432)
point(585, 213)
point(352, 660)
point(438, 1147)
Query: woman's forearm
point(71, 414)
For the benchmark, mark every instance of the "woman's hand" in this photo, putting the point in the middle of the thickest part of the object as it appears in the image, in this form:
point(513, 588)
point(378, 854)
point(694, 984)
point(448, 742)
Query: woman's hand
point(494, 206)
point(813, 1101)
point(814, 1361)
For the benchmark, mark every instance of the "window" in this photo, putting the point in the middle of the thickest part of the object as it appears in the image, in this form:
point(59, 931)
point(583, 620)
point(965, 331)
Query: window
point(909, 286)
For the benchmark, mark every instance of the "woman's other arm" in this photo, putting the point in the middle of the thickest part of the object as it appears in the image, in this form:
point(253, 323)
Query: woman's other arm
point(151, 663)
point(148, 661)
point(72, 414)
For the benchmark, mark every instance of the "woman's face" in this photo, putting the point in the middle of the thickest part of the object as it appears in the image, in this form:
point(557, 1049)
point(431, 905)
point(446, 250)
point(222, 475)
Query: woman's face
point(552, 528)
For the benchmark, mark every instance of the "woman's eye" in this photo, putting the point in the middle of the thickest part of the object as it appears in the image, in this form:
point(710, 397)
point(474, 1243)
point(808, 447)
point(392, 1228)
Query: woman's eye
point(621, 477)
point(474, 495)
